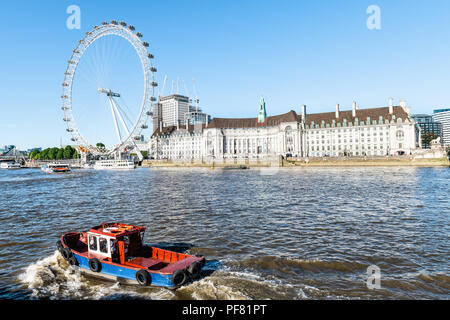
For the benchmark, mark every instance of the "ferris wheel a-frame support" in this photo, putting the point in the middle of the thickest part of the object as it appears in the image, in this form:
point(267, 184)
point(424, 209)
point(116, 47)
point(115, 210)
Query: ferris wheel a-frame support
point(115, 110)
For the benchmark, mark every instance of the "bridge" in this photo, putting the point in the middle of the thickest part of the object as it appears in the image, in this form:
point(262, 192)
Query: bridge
point(10, 153)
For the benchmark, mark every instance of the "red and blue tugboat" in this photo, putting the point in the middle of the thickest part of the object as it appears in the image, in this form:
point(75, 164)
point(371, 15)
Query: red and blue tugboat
point(116, 251)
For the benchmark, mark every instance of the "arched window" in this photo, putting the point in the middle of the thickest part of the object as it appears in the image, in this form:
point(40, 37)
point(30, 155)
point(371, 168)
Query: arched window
point(400, 134)
point(209, 143)
point(289, 139)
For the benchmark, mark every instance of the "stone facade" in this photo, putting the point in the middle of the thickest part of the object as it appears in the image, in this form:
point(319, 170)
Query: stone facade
point(358, 132)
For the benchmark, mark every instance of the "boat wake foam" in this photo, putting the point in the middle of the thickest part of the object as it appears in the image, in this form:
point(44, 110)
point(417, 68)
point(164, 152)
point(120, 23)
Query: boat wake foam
point(53, 278)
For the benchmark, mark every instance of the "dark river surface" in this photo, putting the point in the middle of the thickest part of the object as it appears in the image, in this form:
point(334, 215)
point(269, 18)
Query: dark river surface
point(303, 233)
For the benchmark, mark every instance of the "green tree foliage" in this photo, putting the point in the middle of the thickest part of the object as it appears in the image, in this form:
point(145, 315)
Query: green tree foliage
point(44, 154)
point(427, 137)
point(60, 154)
point(54, 154)
point(68, 152)
point(33, 154)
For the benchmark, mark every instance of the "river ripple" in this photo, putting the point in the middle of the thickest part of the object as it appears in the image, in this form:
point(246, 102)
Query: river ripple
point(304, 233)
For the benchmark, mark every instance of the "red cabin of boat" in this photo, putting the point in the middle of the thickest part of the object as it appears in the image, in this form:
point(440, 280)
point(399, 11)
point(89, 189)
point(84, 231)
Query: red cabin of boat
point(118, 245)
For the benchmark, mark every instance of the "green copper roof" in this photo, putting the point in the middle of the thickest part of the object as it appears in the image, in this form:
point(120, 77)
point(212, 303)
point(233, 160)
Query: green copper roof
point(262, 111)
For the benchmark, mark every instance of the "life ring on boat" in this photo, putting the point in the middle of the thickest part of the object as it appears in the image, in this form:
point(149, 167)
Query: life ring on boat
point(179, 277)
point(66, 253)
point(95, 265)
point(143, 278)
point(73, 261)
point(194, 270)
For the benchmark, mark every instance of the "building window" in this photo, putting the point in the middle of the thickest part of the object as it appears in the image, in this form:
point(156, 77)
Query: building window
point(400, 134)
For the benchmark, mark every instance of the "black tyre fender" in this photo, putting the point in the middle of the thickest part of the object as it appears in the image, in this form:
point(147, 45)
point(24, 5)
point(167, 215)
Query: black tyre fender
point(194, 269)
point(66, 253)
point(59, 246)
point(143, 277)
point(203, 261)
point(179, 277)
point(73, 261)
point(95, 265)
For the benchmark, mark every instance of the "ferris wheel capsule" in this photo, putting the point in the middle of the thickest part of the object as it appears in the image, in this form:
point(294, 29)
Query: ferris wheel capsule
point(129, 133)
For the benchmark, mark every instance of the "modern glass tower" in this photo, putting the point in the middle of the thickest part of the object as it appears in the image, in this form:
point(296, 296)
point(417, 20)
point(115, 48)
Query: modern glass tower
point(426, 124)
point(443, 116)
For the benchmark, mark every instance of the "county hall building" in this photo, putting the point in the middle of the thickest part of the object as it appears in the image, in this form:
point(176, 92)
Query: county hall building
point(380, 131)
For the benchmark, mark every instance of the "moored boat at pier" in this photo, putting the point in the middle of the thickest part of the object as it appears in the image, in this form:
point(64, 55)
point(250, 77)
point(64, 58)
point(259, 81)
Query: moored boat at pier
point(10, 165)
point(114, 165)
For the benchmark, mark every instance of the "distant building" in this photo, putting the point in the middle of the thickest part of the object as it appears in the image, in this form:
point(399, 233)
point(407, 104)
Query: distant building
point(195, 116)
point(173, 109)
point(443, 116)
point(358, 132)
point(7, 150)
point(11, 151)
point(426, 124)
point(176, 110)
point(32, 149)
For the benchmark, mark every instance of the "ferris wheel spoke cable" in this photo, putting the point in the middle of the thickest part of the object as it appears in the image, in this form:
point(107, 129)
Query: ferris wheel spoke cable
point(97, 68)
point(128, 110)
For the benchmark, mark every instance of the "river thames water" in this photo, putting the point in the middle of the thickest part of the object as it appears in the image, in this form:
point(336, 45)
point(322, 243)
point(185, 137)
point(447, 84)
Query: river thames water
point(303, 233)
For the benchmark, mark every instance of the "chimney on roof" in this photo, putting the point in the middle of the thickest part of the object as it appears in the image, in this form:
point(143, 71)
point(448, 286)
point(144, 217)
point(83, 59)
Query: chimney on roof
point(178, 124)
point(404, 107)
point(304, 113)
point(391, 106)
point(160, 125)
point(337, 110)
point(354, 109)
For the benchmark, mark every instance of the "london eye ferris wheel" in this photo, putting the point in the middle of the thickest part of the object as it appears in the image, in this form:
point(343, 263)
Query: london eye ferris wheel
point(108, 89)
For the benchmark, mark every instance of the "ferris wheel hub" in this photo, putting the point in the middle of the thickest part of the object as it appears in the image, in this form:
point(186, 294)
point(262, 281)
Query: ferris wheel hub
point(108, 92)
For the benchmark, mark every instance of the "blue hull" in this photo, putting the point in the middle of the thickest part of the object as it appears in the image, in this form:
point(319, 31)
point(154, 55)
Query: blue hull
point(121, 273)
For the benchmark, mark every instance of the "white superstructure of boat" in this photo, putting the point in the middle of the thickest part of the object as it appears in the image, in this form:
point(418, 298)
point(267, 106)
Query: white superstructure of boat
point(10, 165)
point(114, 165)
point(55, 168)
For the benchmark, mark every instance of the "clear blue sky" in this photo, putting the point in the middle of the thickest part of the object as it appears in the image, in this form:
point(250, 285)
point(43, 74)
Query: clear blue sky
point(317, 53)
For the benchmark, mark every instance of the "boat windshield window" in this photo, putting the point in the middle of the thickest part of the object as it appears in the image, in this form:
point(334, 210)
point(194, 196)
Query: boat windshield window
point(92, 243)
point(103, 244)
point(113, 246)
